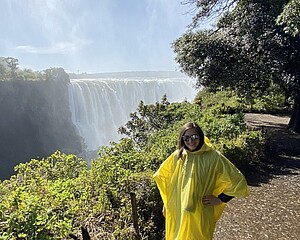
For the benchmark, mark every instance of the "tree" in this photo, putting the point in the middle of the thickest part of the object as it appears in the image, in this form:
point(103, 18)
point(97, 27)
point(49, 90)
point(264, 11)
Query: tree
point(208, 9)
point(290, 17)
point(56, 74)
point(29, 74)
point(247, 52)
point(149, 119)
point(12, 64)
point(2, 72)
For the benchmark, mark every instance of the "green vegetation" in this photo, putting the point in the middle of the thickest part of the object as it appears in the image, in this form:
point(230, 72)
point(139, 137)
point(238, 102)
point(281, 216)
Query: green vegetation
point(228, 101)
point(9, 71)
point(55, 197)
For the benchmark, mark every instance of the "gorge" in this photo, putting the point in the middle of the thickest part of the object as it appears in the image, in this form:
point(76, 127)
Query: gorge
point(75, 113)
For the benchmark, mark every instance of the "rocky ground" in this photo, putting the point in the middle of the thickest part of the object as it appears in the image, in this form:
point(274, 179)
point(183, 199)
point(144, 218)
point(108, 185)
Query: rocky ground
point(272, 211)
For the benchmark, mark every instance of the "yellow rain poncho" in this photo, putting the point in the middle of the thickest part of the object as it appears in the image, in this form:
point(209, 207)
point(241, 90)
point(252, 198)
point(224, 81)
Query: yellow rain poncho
point(182, 184)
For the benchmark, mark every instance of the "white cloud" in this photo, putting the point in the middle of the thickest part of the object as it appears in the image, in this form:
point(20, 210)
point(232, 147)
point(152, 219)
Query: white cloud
point(56, 48)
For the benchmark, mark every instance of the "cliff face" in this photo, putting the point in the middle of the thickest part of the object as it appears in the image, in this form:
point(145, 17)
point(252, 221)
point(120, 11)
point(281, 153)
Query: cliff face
point(35, 120)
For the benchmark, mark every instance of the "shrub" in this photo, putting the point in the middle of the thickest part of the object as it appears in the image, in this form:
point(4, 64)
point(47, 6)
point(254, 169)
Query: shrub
point(246, 151)
point(44, 200)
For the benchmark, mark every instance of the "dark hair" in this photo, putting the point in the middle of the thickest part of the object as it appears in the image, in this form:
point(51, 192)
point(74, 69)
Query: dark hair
point(187, 126)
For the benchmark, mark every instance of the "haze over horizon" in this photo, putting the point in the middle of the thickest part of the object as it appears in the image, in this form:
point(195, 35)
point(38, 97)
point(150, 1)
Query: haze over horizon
point(93, 36)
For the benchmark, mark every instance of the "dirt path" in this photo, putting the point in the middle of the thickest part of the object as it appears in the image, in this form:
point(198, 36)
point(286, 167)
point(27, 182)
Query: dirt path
point(272, 211)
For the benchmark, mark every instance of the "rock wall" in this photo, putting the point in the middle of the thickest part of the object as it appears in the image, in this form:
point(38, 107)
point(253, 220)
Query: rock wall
point(35, 120)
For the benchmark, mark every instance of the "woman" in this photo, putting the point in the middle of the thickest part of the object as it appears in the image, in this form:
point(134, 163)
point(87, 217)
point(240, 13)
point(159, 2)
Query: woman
point(195, 182)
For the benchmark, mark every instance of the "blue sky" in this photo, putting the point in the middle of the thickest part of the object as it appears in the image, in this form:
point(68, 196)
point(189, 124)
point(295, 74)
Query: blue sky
point(92, 35)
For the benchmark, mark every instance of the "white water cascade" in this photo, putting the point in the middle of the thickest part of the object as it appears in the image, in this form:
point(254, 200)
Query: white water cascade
point(99, 106)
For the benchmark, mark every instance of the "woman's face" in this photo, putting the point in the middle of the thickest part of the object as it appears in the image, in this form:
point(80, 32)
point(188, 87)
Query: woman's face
point(191, 139)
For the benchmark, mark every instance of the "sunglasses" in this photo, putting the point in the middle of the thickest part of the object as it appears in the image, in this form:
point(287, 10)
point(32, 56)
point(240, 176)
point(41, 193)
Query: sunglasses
point(193, 137)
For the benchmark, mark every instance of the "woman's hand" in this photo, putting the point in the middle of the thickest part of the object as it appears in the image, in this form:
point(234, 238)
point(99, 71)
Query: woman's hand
point(211, 200)
point(164, 211)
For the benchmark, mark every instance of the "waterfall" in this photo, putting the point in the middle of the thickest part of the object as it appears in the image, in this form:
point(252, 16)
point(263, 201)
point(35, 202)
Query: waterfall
point(99, 106)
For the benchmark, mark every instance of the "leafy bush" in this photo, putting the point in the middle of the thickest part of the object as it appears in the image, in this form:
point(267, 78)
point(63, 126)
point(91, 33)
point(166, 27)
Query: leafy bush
point(275, 100)
point(246, 151)
point(221, 101)
point(44, 199)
